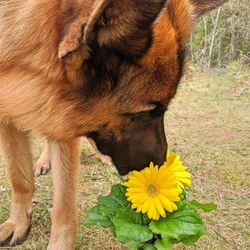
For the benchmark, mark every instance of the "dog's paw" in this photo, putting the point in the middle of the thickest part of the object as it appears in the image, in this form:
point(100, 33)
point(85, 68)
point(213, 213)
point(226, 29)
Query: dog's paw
point(106, 160)
point(12, 234)
point(41, 169)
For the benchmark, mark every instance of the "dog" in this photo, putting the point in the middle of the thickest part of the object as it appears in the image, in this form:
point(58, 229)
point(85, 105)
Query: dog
point(105, 69)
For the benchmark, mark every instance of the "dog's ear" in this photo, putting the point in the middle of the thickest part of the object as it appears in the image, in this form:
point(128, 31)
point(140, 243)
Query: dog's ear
point(126, 25)
point(202, 6)
point(123, 25)
point(78, 30)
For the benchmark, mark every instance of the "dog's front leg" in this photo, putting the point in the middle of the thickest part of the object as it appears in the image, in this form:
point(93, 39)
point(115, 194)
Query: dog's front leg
point(65, 169)
point(15, 147)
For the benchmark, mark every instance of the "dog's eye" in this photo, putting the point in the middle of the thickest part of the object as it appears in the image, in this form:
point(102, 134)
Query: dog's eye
point(158, 110)
point(152, 110)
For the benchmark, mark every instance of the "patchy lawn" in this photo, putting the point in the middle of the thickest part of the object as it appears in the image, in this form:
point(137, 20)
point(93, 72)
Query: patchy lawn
point(208, 124)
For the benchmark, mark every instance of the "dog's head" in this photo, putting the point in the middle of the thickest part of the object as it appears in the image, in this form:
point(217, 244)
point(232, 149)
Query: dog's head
point(128, 56)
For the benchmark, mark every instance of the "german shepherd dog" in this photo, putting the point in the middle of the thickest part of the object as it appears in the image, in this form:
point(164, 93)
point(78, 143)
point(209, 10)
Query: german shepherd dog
point(106, 69)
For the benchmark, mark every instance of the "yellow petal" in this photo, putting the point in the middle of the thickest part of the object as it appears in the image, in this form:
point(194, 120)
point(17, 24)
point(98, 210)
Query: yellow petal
point(174, 206)
point(138, 198)
point(160, 207)
point(134, 206)
point(146, 205)
point(185, 181)
point(135, 190)
point(155, 173)
point(181, 185)
point(147, 174)
point(156, 214)
point(135, 174)
point(126, 183)
point(139, 208)
point(135, 184)
point(171, 193)
point(137, 204)
point(166, 203)
point(183, 174)
point(150, 212)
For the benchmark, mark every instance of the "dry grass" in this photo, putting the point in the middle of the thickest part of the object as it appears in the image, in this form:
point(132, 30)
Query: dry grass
point(208, 124)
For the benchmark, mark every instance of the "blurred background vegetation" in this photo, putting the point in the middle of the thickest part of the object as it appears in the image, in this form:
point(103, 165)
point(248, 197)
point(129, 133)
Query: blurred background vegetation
point(222, 36)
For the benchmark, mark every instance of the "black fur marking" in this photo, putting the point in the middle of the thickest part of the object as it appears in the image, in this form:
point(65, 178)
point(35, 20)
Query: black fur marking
point(23, 238)
point(128, 49)
point(19, 241)
point(7, 241)
point(101, 72)
point(102, 69)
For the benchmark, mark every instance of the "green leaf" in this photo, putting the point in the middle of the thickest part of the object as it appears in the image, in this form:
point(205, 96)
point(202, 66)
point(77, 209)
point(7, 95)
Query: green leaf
point(163, 244)
point(206, 207)
point(95, 217)
point(183, 225)
point(103, 213)
point(149, 247)
point(145, 220)
point(134, 245)
point(128, 227)
point(183, 195)
point(115, 200)
point(191, 239)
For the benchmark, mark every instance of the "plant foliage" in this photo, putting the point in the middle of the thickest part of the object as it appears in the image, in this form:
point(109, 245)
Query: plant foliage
point(134, 229)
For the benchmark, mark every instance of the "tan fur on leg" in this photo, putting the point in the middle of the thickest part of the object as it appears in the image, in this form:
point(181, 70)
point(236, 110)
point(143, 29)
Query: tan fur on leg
point(15, 148)
point(43, 164)
point(65, 169)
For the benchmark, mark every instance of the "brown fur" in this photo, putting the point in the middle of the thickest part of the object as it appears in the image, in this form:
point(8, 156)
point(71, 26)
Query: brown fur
point(70, 68)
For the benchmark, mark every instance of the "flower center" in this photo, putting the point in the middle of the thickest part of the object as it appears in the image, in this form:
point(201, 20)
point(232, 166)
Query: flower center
point(152, 189)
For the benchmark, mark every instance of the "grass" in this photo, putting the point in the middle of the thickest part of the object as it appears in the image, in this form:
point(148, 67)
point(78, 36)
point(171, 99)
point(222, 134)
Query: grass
point(208, 124)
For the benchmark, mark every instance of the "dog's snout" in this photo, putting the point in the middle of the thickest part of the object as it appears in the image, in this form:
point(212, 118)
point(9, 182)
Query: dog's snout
point(141, 145)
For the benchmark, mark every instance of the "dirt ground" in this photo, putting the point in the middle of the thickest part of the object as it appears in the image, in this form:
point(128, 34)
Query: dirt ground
point(208, 124)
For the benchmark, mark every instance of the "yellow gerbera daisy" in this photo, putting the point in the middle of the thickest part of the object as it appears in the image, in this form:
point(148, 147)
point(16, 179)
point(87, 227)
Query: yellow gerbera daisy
point(175, 165)
point(155, 190)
